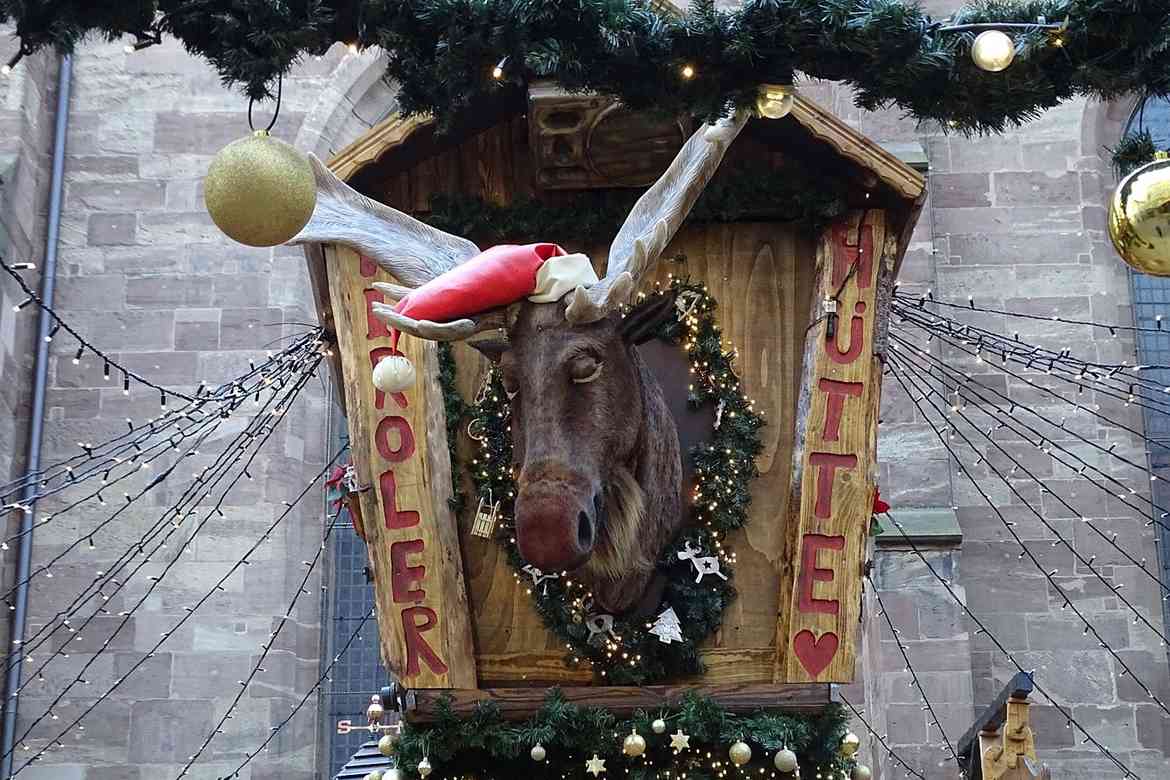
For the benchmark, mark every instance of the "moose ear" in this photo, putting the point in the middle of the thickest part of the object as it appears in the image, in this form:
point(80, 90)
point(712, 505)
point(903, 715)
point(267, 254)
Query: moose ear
point(492, 349)
point(646, 319)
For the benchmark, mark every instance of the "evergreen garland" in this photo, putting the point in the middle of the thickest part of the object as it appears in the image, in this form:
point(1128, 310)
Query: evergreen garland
point(486, 747)
point(592, 219)
point(724, 469)
point(442, 53)
point(1132, 152)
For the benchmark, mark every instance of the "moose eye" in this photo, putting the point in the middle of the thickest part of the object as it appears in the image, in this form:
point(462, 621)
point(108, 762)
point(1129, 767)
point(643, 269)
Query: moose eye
point(584, 369)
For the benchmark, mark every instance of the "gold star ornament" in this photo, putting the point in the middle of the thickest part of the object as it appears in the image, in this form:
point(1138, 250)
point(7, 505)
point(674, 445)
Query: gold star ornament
point(680, 741)
point(595, 766)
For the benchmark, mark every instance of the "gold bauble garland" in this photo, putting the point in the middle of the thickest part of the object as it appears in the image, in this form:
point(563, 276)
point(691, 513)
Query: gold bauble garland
point(259, 190)
point(1139, 218)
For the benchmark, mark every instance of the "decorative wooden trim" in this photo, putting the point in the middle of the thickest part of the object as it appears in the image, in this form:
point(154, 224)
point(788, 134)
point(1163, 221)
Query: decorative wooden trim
point(836, 454)
point(743, 665)
point(521, 703)
point(399, 453)
point(375, 142)
point(849, 143)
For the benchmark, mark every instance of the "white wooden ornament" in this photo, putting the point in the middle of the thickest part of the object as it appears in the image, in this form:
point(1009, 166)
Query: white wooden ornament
point(394, 374)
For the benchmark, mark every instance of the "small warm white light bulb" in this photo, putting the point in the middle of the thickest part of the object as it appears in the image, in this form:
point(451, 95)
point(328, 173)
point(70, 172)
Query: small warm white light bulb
point(6, 70)
point(688, 71)
point(993, 50)
point(353, 47)
point(128, 48)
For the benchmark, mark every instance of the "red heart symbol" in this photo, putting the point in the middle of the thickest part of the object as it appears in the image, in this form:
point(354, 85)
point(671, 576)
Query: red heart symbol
point(814, 654)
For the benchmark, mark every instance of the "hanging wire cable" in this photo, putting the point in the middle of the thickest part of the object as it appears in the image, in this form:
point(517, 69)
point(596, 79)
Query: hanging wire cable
point(910, 771)
point(1072, 722)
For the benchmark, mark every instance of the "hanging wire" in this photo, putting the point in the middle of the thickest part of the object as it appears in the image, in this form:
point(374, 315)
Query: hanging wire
point(275, 111)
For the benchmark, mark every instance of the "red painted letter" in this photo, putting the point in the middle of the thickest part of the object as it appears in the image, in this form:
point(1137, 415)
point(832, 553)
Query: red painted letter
point(836, 404)
point(403, 576)
point(810, 574)
point(405, 438)
point(375, 328)
point(856, 338)
point(845, 255)
point(391, 517)
point(376, 356)
point(416, 646)
point(828, 462)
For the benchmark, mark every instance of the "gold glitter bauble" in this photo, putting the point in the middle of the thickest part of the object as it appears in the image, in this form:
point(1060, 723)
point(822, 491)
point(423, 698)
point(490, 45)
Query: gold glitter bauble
point(260, 191)
point(1139, 218)
point(387, 744)
point(634, 745)
point(861, 772)
point(375, 775)
point(850, 744)
point(740, 753)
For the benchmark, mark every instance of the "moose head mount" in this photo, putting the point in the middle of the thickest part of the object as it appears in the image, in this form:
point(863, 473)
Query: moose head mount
point(597, 451)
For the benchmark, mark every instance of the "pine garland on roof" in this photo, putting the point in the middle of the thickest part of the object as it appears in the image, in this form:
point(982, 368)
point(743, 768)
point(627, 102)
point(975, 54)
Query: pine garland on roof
point(442, 53)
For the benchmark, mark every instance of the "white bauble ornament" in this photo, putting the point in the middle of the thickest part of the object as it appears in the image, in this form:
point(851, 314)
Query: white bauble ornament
point(850, 743)
point(659, 726)
point(392, 774)
point(785, 760)
point(394, 374)
point(635, 745)
point(538, 752)
point(375, 711)
point(740, 753)
point(993, 50)
point(861, 772)
point(424, 768)
point(375, 775)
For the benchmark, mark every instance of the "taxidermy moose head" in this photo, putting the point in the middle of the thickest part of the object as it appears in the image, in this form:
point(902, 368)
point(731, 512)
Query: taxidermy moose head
point(597, 451)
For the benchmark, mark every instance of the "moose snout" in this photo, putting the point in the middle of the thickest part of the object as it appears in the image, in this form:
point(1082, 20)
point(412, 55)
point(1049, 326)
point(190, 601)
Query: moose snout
point(556, 530)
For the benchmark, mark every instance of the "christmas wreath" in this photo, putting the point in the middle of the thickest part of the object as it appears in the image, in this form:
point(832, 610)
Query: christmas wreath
point(698, 565)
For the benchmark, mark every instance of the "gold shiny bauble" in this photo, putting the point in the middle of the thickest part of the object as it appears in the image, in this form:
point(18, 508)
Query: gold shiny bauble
point(1139, 218)
point(375, 775)
point(993, 50)
point(374, 712)
point(861, 772)
point(850, 744)
point(387, 744)
point(740, 753)
point(538, 752)
point(634, 745)
point(785, 760)
point(260, 191)
point(774, 101)
point(659, 726)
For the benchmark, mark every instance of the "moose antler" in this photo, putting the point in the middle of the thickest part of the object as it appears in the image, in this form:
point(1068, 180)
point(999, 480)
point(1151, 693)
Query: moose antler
point(456, 330)
point(654, 220)
point(412, 251)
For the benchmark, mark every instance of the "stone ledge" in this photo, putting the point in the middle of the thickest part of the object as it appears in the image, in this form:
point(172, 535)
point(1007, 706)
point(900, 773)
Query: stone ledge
point(935, 526)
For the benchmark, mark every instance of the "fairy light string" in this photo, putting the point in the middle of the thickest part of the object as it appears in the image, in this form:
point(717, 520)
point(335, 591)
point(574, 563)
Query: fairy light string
point(1071, 722)
point(964, 380)
point(889, 751)
point(1009, 423)
point(188, 613)
point(197, 491)
point(258, 666)
point(270, 426)
point(914, 681)
point(1027, 552)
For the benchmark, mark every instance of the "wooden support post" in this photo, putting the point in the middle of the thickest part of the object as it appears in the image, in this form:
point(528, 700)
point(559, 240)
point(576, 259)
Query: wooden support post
point(399, 453)
point(836, 453)
point(1001, 745)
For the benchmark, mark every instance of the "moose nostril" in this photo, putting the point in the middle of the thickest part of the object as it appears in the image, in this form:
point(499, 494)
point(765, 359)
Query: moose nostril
point(584, 531)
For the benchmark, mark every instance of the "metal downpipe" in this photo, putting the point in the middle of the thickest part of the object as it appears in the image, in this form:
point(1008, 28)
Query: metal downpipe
point(36, 426)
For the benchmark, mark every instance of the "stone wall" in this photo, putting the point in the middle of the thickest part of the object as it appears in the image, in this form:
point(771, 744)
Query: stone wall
point(1014, 221)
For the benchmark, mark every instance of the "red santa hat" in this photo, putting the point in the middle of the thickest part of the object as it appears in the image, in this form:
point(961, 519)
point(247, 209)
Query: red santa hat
point(500, 276)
